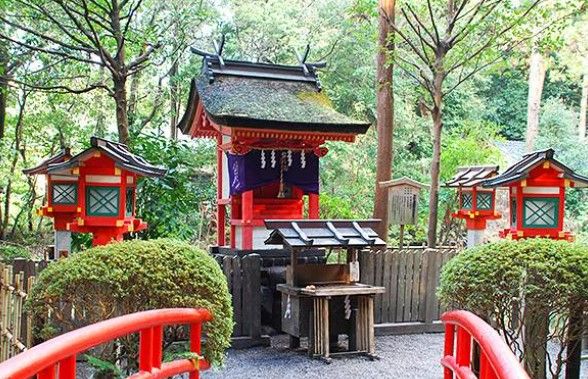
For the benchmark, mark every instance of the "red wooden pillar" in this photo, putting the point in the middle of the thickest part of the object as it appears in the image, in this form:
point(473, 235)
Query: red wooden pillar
point(313, 206)
point(220, 205)
point(520, 206)
point(247, 217)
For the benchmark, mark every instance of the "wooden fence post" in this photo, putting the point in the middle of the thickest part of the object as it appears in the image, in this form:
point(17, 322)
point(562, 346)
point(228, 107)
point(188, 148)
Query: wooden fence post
point(252, 295)
point(431, 304)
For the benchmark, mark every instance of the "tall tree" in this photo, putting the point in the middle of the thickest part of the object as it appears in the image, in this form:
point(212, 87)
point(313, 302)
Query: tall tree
point(384, 113)
point(445, 43)
point(120, 36)
point(537, 71)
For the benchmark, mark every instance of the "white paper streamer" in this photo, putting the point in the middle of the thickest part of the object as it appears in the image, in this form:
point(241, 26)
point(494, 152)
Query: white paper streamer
point(273, 158)
point(262, 158)
point(289, 158)
point(302, 159)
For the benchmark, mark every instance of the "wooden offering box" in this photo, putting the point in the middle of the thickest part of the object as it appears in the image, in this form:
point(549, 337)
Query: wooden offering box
point(322, 301)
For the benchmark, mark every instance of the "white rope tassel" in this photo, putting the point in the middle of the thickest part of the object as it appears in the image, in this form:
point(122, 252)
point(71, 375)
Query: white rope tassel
point(302, 159)
point(262, 158)
point(273, 158)
point(289, 158)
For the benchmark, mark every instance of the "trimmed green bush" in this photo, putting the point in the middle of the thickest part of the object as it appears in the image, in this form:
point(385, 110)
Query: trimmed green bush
point(532, 285)
point(132, 276)
point(9, 252)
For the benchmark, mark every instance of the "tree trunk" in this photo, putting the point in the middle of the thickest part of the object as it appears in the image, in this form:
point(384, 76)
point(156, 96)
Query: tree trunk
point(536, 329)
point(133, 95)
point(3, 96)
point(122, 119)
point(537, 68)
point(584, 105)
point(16, 152)
point(574, 337)
point(385, 115)
point(100, 118)
point(435, 170)
point(174, 92)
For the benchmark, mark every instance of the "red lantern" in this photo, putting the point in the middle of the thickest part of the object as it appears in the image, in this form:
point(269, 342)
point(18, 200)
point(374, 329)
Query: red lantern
point(476, 203)
point(94, 191)
point(537, 186)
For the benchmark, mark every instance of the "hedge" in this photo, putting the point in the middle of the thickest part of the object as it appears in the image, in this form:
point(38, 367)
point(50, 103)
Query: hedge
point(133, 276)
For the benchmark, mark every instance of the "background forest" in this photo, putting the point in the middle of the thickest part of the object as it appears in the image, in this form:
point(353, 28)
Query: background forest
point(122, 70)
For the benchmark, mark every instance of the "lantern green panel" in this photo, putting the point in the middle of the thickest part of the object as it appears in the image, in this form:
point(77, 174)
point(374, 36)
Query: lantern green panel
point(130, 201)
point(102, 201)
point(540, 212)
point(467, 200)
point(64, 193)
point(484, 200)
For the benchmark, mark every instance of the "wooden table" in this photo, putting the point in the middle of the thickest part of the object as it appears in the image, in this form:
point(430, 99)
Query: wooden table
point(322, 312)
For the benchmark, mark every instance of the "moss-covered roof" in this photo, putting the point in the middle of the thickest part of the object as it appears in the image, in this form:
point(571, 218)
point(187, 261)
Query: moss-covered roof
point(248, 99)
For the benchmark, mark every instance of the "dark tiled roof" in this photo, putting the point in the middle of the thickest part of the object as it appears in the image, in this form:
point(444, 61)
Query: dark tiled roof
point(472, 176)
point(520, 170)
point(63, 155)
point(116, 151)
point(323, 233)
point(265, 96)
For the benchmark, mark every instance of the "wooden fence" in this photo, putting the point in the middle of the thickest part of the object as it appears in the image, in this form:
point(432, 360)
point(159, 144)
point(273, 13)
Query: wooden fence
point(16, 281)
point(410, 276)
point(244, 282)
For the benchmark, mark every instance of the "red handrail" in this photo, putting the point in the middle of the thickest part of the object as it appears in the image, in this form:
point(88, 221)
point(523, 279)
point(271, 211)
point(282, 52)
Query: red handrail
point(59, 354)
point(497, 361)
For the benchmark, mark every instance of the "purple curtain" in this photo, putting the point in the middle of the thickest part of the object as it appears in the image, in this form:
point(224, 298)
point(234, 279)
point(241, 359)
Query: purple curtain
point(245, 172)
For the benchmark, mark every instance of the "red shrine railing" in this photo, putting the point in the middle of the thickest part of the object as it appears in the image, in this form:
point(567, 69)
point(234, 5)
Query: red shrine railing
point(56, 358)
point(496, 360)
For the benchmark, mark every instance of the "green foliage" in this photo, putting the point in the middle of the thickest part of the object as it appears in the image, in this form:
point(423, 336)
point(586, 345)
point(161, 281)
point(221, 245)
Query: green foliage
point(103, 368)
point(173, 204)
point(490, 278)
point(541, 280)
point(132, 276)
point(8, 252)
point(333, 207)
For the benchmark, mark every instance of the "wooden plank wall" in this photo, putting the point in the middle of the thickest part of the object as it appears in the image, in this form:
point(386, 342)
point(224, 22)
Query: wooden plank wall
point(410, 276)
point(16, 280)
point(244, 282)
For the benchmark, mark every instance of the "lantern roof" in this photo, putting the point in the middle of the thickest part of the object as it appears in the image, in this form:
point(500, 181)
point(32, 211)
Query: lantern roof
point(118, 152)
point(323, 233)
point(521, 169)
point(265, 96)
point(472, 176)
point(42, 167)
point(404, 181)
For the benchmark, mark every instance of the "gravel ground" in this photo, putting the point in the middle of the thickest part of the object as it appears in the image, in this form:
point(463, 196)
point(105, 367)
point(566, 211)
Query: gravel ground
point(411, 356)
point(406, 357)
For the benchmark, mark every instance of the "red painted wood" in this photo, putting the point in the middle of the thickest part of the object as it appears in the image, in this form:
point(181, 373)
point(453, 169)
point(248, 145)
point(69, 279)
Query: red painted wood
point(42, 359)
point(67, 368)
point(220, 208)
point(46, 373)
point(497, 360)
point(463, 348)
point(313, 206)
point(195, 344)
point(146, 349)
point(247, 215)
point(449, 348)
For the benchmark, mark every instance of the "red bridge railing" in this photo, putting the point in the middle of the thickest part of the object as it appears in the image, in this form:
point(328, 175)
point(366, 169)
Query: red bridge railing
point(496, 360)
point(56, 358)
